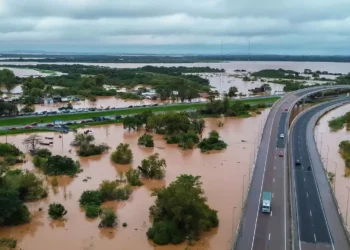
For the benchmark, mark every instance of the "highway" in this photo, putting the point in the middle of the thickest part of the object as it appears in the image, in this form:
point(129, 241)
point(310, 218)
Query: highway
point(313, 230)
point(260, 231)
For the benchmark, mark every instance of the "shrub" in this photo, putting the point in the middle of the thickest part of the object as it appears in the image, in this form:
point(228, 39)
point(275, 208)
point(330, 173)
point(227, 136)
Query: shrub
point(153, 167)
point(92, 211)
point(91, 198)
point(172, 139)
point(146, 140)
point(92, 149)
point(39, 162)
point(122, 155)
point(108, 190)
point(7, 243)
point(54, 182)
point(133, 177)
point(10, 160)
point(212, 143)
point(81, 139)
point(28, 185)
point(61, 165)
point(56, 210)
point(43, 153)
point(7, 149)
point(123, 193)
point(108, 218)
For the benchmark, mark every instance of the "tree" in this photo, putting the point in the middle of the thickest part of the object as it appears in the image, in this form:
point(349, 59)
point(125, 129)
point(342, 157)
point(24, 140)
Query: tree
point(108, 218)
point(153, 167)
point(8, 149)
point(131, 122)
point(8, 78)
point(146, 140)
point(180, 212)
point(100, 80)
point(232, 91)
point(32, 141)
point(212, 143)
point(8, 109)
point(198, 125)
point(108, 190)
point(12, 210)
point(61, 165)
point(133, 177)
point(122, 155)
point(27, 109)
point(56, 211)
point(91, 198)
point(80, 139)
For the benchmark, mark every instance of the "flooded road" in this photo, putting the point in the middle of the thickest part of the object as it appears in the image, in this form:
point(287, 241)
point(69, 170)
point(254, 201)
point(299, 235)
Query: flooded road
point(327, 143)
point(224, 175)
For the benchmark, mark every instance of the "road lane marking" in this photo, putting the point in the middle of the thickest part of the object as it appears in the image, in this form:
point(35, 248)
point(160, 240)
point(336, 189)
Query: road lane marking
point(274, 167)
point(271, 213)
point(310, 213)
point(315, 237)
point(307, 194)
point(269, 236)
point(272, 195)
point(273, 180)
point(275, 157)
point(304, 179)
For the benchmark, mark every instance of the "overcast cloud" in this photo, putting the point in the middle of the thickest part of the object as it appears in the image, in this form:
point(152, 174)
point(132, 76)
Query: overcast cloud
point(176, 26)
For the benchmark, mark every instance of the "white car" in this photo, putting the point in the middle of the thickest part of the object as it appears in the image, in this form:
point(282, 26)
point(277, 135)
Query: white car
point(281, 135)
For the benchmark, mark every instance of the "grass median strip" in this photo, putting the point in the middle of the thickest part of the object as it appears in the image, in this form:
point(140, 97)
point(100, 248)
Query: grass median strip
point(80, 116)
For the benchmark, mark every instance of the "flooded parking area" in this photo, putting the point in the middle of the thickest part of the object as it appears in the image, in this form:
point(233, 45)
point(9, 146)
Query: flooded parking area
point(225, 177)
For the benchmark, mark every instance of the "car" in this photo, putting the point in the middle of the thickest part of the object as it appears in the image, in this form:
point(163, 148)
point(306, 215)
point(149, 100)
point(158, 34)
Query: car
point(286, 109)
point(13, 128)
point(49, 125)
point(281, 135)
point(281, 154)
point(297, 162)
point(28, 127)
point(34, 124)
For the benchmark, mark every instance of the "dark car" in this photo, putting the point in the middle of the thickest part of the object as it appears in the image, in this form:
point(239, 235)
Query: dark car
point(297, 162)
point(281, 154)
point(131, 106)
point(49, 125)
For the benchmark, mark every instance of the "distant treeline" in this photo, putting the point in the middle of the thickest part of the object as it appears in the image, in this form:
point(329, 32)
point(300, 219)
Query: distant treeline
point(168, 59)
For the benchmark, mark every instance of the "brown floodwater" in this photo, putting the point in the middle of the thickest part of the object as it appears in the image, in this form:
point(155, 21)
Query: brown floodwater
point(327, 143)
point(224, 175)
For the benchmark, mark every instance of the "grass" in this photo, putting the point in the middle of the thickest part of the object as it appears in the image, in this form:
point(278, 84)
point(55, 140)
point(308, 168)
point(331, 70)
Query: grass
point(81, 116)
point(336, 123)
point(23, 131)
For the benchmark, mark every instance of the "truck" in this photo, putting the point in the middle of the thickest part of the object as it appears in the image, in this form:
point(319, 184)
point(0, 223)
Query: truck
point(266, 202)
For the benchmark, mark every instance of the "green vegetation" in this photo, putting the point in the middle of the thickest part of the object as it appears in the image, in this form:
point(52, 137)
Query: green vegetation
point(92, 211)
point(8, 109)
point(7, 149)
point(27, 184)
point(133, 177)
point(56, 211)
point(82, 116)
point(91, 198)
point(108, 218)
point(122, 155)
point(8, 78)
point(339, 122)
point(344, 148)
point(92, 149)
point(212, 143)
point(180, 212)
point(232, 91)
point(57, 165)
point(153, 167)
point(225, 107)
point(6, 243)
point(279, 73)
point(146, 140)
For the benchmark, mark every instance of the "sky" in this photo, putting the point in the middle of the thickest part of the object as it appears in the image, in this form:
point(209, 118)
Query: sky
point(293, 27)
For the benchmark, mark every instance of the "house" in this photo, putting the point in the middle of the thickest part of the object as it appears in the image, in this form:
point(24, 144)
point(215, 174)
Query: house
point(203, 95)
point(48, 100)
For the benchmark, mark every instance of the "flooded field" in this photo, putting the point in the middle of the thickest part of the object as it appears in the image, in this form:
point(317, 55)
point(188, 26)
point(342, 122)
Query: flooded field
point(327, 143)
point(225, 177)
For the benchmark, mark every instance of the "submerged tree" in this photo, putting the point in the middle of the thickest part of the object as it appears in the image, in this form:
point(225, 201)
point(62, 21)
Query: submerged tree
point(122, 155)
point(32, 141)
point(153, 167)
point(180, 212)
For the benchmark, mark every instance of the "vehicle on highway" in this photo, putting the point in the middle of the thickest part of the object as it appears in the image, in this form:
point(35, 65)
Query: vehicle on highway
point(49, 125)
point(282, 136)
point(28, 127)
point(266, 202)
point(34, 124)
point(281, 154)
point(297, 162)
point(13, 128)
point(285, 108)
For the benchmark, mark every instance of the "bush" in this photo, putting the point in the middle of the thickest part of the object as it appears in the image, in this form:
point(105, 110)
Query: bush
point(92, 149)
point(7, 243)
point(91, 198)
point(81, 139)
point(10, 160)
point(171, 226)
point(212, 143)
point(108, 218)
point(108, 190)
point(13, 211)
point(92, 211)
point(123, 193)
point(122, 155)
point(39, 162)
point(172, 139)
point(28, 185)
point(133, 177)
point(56, 211)
point(146, 140)
point(153, 167)
point(43, 153)
point(61, 165)
point(7, 149)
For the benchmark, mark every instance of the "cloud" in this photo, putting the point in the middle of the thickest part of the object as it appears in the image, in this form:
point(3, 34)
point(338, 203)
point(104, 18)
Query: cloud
point(320, 25)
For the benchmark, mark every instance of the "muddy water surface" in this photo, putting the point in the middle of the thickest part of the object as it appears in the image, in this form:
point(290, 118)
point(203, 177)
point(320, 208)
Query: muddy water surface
point(224, 175)
point(327, 142)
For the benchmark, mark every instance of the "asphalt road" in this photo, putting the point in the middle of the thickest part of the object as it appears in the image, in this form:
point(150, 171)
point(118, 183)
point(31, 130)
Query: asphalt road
point(312, 221)
point(260, 231)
